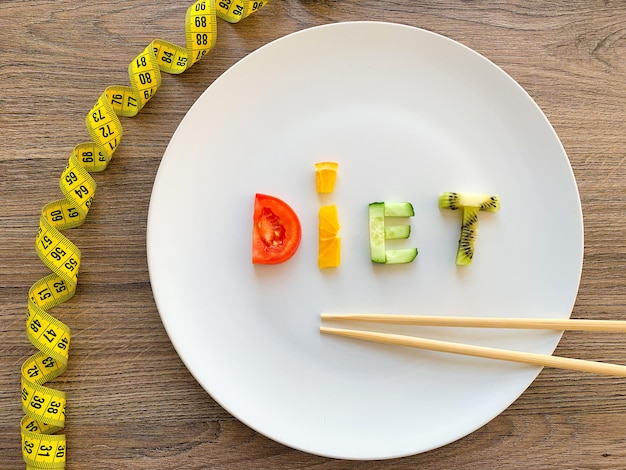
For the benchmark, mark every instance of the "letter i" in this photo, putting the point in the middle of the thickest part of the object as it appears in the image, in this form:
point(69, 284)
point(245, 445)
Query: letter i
point(329, 242)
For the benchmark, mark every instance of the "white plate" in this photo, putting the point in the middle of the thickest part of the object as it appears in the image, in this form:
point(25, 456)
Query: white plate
point(408, 114)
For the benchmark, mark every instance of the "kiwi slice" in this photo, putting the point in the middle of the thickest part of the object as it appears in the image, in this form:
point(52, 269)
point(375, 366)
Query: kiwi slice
point(456, 201)
point(470, 205)
point(469, 231)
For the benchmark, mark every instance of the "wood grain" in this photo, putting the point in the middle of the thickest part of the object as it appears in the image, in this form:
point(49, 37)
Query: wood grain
point(56, 56)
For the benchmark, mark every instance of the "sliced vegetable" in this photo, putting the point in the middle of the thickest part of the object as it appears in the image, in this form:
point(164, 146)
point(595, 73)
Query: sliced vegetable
point(399, 209)
point(276, 232)
point(395, 232)
point(402, 256)
point(325, 176)
point(379, 232)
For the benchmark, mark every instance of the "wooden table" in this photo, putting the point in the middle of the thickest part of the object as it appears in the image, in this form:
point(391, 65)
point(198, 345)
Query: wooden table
point(132, 404)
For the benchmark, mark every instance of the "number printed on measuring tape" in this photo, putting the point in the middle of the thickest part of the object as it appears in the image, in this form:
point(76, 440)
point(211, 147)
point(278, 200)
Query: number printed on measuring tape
point(43, 406)
point(234, 11)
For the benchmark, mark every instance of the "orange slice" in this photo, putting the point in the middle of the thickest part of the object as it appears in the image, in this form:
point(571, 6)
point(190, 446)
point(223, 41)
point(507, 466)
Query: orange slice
point(325, 176)
point(329, 222)
point(329, 246)
point(330, 253)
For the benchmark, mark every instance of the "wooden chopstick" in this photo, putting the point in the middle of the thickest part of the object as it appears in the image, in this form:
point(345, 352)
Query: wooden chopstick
point(615, 326)
point(542, 360)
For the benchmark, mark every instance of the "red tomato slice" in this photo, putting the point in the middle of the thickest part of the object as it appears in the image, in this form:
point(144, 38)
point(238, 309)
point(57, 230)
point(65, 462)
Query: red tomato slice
point(276, 231)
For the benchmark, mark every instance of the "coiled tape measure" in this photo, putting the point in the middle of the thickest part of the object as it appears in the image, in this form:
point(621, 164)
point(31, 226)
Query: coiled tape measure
point(43, 406)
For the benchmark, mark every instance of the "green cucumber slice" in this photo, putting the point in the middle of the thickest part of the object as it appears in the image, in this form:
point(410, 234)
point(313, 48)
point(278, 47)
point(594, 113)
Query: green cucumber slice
point(376, 213)
point(401, 256)
point(396, 232)
point(399, 209)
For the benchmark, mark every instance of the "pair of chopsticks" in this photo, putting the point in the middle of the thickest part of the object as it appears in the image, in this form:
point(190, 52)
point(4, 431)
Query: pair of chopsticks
point(542, 360)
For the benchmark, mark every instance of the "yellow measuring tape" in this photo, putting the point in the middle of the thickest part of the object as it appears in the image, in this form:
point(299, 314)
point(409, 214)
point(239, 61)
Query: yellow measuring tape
point(43, 406)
